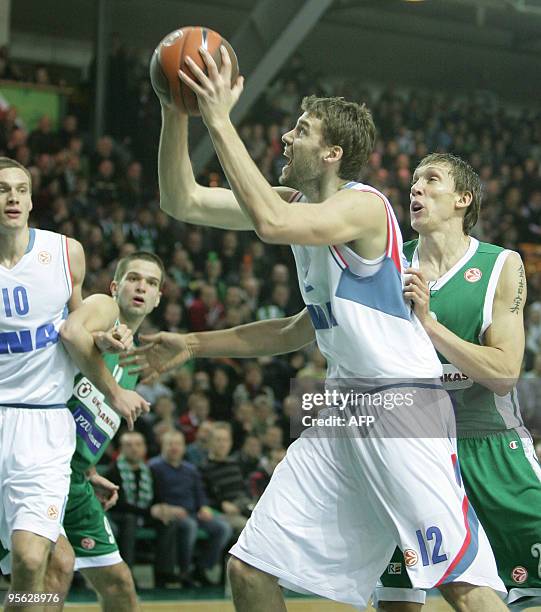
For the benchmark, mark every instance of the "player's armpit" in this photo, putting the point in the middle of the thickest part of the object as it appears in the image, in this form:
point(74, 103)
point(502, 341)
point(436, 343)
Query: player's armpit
point(506, 331)
point(347, 215)
point(76, 258)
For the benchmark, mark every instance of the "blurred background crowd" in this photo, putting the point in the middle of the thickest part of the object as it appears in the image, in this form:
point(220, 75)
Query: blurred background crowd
point(218, 428)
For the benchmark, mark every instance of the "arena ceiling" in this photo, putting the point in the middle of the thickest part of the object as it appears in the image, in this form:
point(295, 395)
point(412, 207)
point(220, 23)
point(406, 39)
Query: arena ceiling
point(514, 24)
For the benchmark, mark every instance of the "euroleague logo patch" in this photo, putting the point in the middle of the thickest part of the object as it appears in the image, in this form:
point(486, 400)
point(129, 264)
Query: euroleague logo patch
point(410, 557)
point(472, 275)
point(44, 257)
point(519, 574)
point(88, 543)
point(52, 512)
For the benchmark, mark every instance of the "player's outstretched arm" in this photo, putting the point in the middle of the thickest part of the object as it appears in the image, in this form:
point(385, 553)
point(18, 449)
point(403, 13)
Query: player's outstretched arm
point(165, 351)
point(180, 195)
point(495, 364)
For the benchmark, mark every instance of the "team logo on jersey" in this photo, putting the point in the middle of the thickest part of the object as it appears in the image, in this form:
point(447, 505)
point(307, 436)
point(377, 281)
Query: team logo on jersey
point(410, 557)
point(519, 574)
point(513, 445)
point(472, 275)
point(394, 569)
point(52, 512)
point(88, 543)
point(44, 257)
point(84, 389)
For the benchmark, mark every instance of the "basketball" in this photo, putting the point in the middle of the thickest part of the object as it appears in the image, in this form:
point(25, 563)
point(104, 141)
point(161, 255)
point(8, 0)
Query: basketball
point(170, 56)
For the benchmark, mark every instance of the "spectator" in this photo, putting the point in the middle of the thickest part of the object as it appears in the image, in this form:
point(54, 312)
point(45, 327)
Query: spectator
point(198, 451)
point(206, 311)
point(249, 456)
point(221, 397)
point(224, 481)
point(259, 480)
point(252, 385)
point(178, 485)
point(198, 411)
point(135, 495)
point(243, 422)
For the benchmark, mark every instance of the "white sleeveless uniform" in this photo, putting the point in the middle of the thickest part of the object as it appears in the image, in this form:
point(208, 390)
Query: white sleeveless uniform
point(340, 502)
point(37, 432)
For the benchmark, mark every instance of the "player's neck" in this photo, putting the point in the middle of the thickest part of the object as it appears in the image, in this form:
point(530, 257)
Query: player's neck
point(134, 323)
point(439, 251)
point(13, 246)
point(322, 189)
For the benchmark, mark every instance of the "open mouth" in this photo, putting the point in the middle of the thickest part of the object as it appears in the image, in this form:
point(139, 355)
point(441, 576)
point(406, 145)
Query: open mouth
point(416, 207)
point(13, 214)
point(288, 159)
point(139, 301)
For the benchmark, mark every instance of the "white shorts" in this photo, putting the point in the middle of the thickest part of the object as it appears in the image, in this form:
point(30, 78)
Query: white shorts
point(336, 508)
point(36, 447)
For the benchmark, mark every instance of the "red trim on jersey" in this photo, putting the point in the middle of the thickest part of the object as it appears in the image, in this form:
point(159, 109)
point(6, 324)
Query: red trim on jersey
point(341, 256)
point(296, 194)
point(464, 546)
point(392, 242)
point(391, 248)
point(68, 261)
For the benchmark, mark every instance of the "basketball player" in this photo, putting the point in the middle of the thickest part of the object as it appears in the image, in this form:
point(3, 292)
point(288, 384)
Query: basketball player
point(472, 311)
point(136, 289)
point(41, 275)
point(334, 508)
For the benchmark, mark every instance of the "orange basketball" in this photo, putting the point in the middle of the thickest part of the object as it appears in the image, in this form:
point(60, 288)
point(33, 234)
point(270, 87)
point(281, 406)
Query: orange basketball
point(170, 55)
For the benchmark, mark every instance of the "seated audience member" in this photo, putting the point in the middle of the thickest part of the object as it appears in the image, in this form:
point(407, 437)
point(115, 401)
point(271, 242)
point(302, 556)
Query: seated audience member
point(243, 422)
point(249, 456)
point(260, 479)
point(135, 494)
point(272, 439)
point(252, 386)
point(178, 484)
point(265, 415)
point(198, 451)
point(223, 479)
point(198, 411)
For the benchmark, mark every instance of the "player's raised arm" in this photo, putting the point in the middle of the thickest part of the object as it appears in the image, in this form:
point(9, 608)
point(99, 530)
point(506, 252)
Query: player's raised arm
point(334, 217)
point(495, 364)
point(165, 351)
point(180, 195)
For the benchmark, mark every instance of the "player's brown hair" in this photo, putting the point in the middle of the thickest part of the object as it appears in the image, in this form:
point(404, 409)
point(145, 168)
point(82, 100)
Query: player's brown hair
point(348, 125)
point(466, 180)
point(7, 162)
point(122, 265)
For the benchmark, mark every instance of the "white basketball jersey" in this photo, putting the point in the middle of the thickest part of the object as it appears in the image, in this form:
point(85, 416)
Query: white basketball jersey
point(364, 328)
point(35, 369)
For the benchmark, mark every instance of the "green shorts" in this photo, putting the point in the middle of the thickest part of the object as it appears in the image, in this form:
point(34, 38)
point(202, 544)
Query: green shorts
point(503, 481)
point(87, 527)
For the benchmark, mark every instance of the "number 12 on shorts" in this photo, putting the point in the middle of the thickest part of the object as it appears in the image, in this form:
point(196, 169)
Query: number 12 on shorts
point(432, 533)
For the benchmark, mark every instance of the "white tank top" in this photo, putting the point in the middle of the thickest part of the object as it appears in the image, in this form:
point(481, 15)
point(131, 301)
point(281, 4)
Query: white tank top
point(364, 328)
point(35, 369)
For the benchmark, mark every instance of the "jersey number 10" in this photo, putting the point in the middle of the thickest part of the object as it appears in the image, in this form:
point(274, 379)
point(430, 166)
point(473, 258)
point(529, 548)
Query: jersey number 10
point(18, 301)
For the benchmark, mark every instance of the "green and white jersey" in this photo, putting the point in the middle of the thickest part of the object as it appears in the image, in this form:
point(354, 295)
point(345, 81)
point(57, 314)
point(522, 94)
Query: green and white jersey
point(462, 301)
point(96, 422)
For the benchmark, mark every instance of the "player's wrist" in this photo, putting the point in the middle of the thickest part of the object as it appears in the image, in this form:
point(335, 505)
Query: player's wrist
point(192, 345)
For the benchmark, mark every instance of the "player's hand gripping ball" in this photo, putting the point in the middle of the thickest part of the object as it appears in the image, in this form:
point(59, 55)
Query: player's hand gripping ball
point(170, 56)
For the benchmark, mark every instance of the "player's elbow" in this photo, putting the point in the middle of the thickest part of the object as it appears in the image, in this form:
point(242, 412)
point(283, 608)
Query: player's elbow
point(505, 382)
point(269, 231)
point(69, 332)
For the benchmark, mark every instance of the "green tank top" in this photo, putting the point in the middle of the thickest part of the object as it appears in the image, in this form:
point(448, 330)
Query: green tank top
point(462, 300)
point(96, 422)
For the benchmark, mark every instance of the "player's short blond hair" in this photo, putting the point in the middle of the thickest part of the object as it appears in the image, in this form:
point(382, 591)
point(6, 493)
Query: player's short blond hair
point(348, 125)
point(7, 162)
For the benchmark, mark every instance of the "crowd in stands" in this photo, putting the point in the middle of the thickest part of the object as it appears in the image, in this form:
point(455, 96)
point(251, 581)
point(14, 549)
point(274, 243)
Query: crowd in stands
point(199, 461)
